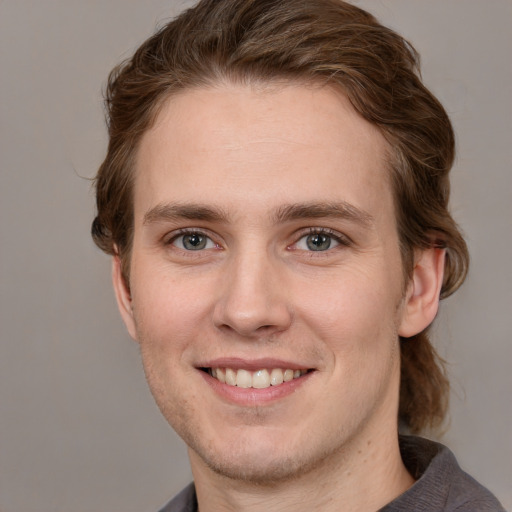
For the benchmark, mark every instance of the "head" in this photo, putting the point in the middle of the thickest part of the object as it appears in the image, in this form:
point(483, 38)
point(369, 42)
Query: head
point(319, 44)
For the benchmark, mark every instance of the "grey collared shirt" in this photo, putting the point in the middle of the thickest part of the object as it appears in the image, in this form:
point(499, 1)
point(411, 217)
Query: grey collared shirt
point(441, 486)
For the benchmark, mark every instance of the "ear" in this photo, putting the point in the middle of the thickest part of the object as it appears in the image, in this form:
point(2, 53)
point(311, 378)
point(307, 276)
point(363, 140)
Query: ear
point(422, 297)
point(123, 296)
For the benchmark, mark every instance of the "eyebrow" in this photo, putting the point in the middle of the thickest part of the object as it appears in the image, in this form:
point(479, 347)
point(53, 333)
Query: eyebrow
point(175, 211)
point(285, 213)
point(338, 210)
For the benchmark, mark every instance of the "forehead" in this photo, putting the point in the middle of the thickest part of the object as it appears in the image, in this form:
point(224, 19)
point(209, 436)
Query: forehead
point(287, 144)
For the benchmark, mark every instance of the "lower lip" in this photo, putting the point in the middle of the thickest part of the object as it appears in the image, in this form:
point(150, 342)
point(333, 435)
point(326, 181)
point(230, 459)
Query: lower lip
point(252, 396)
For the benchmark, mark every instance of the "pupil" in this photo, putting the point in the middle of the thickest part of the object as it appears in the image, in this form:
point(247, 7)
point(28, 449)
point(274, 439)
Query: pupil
point(318, 242)
point(194, 242)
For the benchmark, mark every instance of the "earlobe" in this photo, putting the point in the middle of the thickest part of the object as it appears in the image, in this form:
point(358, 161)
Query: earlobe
point(422, 299)
point(123, 297)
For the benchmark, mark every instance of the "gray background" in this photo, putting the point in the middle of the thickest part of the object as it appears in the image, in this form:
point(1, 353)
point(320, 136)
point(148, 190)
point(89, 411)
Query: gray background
point(78, 427)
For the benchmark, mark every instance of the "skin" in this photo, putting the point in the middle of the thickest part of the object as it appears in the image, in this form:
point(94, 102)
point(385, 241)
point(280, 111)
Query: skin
point(232, 163)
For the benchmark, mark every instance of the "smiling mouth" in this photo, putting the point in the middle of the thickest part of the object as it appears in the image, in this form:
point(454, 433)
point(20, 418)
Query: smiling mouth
point(259, 379)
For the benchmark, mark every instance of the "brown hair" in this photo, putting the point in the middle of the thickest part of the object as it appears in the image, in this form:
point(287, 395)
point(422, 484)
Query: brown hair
point(311, 41)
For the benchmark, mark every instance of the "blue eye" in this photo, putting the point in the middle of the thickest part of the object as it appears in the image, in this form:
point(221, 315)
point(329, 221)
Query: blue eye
point(317, 241)
point(194, 241)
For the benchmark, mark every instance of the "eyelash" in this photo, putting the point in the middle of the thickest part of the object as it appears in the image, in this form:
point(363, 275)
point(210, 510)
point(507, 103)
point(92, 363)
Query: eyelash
point(339, 238)
point(184, 232)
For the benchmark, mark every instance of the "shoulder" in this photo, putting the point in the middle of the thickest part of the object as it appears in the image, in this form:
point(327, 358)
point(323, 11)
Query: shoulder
point(185, 501)
point(441, 485)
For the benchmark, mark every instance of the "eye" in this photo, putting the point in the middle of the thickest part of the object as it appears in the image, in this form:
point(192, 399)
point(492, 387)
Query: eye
point(316, 242)
point(319, 241)
point(193, 241)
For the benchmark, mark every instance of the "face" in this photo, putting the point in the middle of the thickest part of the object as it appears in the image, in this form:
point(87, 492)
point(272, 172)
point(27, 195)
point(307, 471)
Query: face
point(266, 286)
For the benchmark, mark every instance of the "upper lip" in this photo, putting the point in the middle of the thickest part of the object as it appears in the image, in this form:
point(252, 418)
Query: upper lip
point(237, 363)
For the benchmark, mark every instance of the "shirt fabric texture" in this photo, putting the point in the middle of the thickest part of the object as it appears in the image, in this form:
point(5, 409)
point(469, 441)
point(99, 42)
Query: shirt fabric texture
point(441, 485)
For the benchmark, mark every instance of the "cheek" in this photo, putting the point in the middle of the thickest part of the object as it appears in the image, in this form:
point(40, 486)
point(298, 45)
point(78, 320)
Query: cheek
point(168, 310)
point(166, 318)
point(355, 317)
point(352, 301)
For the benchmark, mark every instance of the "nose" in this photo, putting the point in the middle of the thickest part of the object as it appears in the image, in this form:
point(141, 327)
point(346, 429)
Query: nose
point(252, 298)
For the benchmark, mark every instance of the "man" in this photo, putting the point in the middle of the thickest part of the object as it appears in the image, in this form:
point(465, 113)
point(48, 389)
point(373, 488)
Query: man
point(275, 200)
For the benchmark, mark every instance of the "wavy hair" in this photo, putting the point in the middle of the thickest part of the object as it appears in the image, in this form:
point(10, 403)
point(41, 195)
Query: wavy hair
point(329, 42)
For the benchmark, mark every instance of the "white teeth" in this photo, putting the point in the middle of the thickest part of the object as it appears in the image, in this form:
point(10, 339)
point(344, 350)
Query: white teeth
point(230, 377)
point(276, 377)
point(260, 379)
point(288, 375)
point(243, 379)
point(220, 375)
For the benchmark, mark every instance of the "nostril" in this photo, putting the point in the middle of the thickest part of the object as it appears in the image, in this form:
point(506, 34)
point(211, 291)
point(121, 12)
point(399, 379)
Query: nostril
point(250, 311)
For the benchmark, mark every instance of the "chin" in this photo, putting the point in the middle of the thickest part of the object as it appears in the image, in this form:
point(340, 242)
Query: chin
point(261, 465)
point(259, 472)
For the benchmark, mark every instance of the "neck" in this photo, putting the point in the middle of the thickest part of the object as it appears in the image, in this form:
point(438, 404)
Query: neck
point(365, 476)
